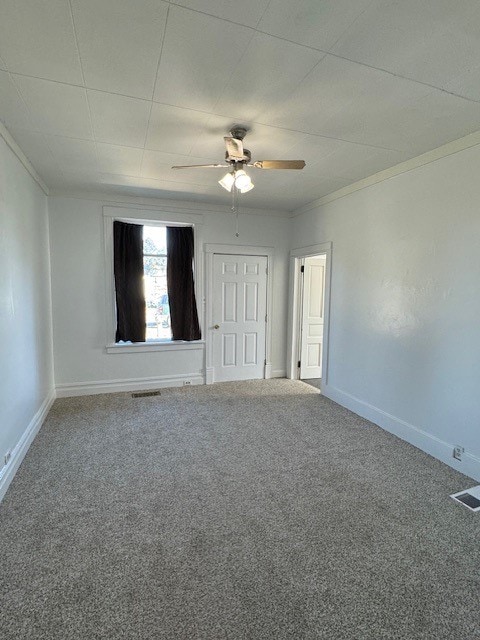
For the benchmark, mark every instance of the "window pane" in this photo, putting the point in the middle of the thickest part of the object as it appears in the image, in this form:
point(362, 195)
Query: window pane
point(155, 277)
point(155, 240)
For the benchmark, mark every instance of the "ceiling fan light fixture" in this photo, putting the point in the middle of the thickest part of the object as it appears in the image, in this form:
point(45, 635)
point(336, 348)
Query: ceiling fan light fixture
point(227, 181)
point(249, 187)
point(242, 180)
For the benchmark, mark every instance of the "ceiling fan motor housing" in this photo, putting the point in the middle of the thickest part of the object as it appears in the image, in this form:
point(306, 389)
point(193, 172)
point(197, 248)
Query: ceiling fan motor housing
point(238, 132)
point(236, 158)
point(247, 156)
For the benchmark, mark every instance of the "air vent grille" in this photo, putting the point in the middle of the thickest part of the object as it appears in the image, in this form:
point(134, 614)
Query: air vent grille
point(145, 394)
point(470, 498)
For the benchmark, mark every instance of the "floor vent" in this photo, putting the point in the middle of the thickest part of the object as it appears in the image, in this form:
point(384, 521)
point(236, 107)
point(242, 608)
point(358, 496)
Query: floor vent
point(146, 394)
point(469, 498)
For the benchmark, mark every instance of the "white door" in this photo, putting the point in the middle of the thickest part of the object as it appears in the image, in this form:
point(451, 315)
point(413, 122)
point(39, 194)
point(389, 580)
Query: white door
point(239, 317)
point(312, 317)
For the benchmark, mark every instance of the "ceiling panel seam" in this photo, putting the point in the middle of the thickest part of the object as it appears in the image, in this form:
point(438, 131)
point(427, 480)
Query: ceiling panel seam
point(220, 93)
point(321, 135)
point(211, 15)
point(368, 66)
point(90, 118)
point(325, 51)
point(397, 75)
point(263, 13)
point(154, 88)
point(161, 52)
point(351, 25)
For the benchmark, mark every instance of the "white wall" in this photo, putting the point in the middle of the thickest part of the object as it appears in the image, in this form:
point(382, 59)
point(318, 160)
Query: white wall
point(26, 362)
point(405, 303)
point(80, 305)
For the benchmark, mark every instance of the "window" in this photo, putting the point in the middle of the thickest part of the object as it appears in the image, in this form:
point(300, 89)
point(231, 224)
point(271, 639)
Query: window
point(154, 287)
point(155, 282)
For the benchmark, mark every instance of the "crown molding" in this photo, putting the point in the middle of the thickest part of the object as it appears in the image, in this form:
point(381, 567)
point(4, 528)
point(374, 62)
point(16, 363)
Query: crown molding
point(10, 142)
point(472, 140)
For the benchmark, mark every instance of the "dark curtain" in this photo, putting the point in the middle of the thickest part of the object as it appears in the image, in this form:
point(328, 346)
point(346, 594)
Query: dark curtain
point(181, 291)
point(129, 288)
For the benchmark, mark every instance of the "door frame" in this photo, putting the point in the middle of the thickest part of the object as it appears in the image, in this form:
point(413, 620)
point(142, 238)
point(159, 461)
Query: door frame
point(297, 257)
point(235, 250)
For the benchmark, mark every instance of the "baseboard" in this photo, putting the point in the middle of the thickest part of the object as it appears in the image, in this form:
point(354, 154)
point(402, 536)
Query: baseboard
point(470, 465)
point(94, 387)
point(18, 453)
point(269, 373)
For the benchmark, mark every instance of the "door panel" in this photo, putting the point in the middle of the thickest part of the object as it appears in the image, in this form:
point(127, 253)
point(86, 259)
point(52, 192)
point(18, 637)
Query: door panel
point(314, 355)
point(312, 317)
point(251, 301)
point(239, 310)
point(250, 348)
point(229, 267)
point(229, 350)
point(229, 302)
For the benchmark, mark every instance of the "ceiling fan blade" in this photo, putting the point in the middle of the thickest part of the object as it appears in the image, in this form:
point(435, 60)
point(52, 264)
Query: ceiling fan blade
point(234, 148)
point(279, 164)
point(201, 166)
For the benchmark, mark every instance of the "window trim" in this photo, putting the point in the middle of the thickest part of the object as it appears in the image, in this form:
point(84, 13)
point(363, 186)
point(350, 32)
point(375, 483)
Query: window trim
point(149, 217)
point(155, 345)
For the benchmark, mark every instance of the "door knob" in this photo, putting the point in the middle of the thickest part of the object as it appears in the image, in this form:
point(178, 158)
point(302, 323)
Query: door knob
point(216, 326)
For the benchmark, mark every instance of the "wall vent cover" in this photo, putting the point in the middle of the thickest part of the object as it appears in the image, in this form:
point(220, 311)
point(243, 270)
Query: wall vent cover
point(145, 394)
point(469, 498)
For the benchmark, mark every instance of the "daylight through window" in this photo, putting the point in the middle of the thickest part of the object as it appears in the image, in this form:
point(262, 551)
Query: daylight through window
point(155, 277)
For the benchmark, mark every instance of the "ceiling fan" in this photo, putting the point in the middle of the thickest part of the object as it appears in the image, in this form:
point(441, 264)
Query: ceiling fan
point(237, 158)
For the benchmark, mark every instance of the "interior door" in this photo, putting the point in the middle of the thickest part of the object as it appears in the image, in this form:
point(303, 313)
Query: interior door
point(239, 317)
point(312, 317)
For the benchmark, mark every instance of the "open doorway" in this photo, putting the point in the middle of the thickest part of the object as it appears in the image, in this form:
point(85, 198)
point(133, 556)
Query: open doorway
point(310, 270)
point(312, 312)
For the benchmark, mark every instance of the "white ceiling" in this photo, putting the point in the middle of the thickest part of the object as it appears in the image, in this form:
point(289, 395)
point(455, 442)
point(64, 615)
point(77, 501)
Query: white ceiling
point(108, 94)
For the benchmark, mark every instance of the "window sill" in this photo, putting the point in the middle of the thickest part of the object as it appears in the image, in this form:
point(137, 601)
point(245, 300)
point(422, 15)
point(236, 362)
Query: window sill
point(142, 347)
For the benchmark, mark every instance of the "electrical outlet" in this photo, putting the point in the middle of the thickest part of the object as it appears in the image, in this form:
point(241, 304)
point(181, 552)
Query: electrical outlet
point(7, 457)
point(187, 383)
point(458, 451)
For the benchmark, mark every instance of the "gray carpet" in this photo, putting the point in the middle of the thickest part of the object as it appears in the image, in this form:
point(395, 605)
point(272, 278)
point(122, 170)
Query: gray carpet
point(257, 510)
point(314, 382)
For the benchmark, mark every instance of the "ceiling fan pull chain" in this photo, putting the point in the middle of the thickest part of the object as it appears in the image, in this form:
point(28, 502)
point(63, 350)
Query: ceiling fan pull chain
point(235, 208)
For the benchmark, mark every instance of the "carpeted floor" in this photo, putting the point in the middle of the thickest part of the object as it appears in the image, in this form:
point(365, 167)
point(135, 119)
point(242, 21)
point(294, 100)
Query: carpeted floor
point(253, 510)
point(314, 382)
